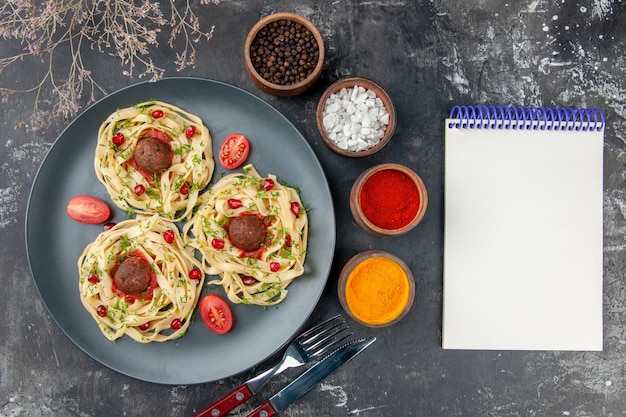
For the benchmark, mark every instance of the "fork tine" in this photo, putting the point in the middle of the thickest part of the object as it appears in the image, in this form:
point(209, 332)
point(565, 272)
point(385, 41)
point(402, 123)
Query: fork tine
point(326, 337)
point(314, 330)
point(329, 327)
point(323, 337)
point(329, 347)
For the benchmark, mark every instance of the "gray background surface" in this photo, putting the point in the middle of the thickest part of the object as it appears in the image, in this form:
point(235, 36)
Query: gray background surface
point(429, 55)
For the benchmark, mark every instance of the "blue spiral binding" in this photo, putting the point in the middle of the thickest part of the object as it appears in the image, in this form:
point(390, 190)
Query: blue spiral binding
point(527, 118)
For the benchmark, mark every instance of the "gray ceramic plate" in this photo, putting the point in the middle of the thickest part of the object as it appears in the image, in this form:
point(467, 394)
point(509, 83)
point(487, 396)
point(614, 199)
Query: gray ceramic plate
point(54, 242)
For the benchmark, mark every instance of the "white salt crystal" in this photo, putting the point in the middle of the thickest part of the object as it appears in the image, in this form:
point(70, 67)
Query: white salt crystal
point(355, 118)
point(329, 121)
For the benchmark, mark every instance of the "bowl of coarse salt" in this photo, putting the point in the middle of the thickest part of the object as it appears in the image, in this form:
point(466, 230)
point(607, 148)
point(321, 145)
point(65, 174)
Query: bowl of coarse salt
point(355, 117)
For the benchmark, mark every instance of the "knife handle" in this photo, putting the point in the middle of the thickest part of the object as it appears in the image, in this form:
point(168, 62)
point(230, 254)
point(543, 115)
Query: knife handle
point(225, 404)
point(264, 410)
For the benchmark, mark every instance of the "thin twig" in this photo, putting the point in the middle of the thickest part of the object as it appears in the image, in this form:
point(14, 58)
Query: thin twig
point(125, 29)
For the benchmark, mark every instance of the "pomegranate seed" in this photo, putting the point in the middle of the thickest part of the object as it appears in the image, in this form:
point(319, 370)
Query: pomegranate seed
point(101, 310)
point(118, 139)
point(157, 114)
point(108, 226)
point(190, 131)
point(268, 184)
point(195, 274)
point(233, 203)
point(184, 189)
point(295, 208)
point(169, 236)
point(139, 189)
point(93, 279)
point(274, 266)
point(248, 280)
point(288, 241)
point(217, 243)
point(176, 324)
point(144, 327)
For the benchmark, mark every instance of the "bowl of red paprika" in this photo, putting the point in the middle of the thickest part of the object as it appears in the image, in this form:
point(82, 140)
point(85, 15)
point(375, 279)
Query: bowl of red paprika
point(376, 288)
point(284, 54)
point(388, 200)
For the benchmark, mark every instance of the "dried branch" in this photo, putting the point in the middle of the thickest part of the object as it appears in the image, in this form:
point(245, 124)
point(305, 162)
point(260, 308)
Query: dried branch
point(126, 29)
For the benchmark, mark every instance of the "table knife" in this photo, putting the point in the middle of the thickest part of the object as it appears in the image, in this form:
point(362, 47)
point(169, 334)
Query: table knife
point(313, 376)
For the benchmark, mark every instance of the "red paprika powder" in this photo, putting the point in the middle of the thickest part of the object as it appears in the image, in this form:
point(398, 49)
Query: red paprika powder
point(389, 199)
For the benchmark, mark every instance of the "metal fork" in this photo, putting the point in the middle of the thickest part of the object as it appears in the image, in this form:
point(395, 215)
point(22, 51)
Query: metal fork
point(313, 344)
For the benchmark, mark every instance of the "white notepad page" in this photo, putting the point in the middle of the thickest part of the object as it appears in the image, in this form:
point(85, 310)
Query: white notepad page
point(523, 264)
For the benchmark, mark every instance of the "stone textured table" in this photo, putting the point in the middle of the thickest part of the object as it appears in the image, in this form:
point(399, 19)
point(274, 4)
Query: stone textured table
point(429, 55)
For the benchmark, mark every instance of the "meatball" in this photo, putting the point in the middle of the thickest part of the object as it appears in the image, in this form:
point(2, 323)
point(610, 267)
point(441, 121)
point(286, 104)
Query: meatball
point(153, 155)
point(133, 275)
point(247, 232)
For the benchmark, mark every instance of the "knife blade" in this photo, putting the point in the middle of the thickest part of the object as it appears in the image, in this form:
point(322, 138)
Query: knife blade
point(313, 376)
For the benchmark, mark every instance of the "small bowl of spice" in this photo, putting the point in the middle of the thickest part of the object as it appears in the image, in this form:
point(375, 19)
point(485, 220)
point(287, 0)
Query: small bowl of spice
point(355, 117)
point(388, 200)
point(376, 288)
point(284, 54)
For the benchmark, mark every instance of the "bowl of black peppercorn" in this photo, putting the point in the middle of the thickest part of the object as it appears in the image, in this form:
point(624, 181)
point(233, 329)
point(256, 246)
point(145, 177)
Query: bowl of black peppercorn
point(284, 54)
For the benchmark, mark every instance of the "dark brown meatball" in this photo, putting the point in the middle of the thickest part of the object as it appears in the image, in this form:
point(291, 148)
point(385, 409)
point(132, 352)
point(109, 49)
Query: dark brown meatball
point(247, 232)
point(133, 275)
point(153, 155)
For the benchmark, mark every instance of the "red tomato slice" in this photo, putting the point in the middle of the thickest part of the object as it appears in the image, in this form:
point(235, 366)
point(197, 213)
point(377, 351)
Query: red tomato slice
point(156, 134)
point(87, 209)
point(216, 314)
point(234, 150)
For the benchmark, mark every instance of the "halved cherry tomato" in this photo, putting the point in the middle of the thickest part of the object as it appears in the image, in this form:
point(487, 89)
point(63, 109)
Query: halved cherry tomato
point(234, 151)
point(216, 314)
point(87, 209)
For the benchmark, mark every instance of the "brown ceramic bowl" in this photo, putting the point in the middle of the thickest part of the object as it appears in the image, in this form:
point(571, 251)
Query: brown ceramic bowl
point(411, 186)
point(252, 58)
point(350, 83)
point(370, 310)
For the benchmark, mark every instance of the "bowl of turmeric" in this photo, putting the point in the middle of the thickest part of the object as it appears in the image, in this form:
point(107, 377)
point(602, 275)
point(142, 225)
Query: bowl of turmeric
point(376, 288)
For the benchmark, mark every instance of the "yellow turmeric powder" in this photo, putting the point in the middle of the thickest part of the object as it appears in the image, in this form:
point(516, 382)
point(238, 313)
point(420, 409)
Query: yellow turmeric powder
point(377, 290)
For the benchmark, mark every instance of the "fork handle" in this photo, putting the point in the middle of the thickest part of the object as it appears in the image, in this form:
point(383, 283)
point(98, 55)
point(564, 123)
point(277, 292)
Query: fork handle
point(227, 403)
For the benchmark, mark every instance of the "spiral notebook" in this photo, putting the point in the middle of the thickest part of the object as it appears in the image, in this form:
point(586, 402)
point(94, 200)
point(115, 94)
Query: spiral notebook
point(523, 238)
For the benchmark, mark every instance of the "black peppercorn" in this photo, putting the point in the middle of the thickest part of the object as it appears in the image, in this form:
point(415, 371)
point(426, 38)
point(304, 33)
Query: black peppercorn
point(284, 52)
